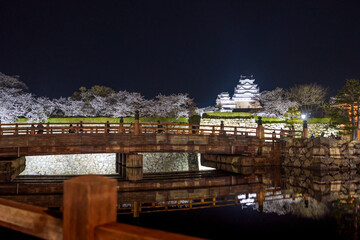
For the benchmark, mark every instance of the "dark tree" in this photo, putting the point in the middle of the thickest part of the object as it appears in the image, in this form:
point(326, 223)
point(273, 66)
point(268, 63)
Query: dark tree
point(348, 99)
point(310, 97)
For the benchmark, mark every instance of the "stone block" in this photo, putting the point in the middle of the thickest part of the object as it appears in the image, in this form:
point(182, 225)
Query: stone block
point(325, 160)
point(297, 163)
point(319, 151)
point(334, 151)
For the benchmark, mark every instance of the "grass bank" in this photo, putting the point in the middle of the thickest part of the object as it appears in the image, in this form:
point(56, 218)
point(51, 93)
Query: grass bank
point(105, 119)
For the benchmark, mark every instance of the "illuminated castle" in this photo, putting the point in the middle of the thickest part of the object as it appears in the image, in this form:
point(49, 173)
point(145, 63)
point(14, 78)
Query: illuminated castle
point(244, 97)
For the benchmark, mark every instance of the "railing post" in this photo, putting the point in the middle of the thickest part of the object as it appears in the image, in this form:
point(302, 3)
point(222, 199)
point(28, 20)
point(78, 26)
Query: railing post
point(137, 123)
point(134, 167)
point(273, 136)
point(107, 127)
point(305, 129)
point(260, 129)
point(121, 127)
point(89, 201)
point(16, 129)
point(260, 199)
point(222, 132)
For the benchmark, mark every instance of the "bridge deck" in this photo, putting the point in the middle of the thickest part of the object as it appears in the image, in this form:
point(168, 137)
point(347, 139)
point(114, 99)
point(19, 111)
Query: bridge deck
point(22, 145)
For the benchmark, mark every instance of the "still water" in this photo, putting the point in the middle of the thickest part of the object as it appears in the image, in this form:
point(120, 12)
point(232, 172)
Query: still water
point(279, 203)
point(285, 204)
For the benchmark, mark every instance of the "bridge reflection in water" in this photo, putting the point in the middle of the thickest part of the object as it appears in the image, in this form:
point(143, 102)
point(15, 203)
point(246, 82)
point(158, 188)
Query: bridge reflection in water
point(283, 191)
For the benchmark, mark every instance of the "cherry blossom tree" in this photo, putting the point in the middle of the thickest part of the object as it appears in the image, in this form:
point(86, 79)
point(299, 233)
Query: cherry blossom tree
point(15, 102)
point(39, 109)
point(174, 105)
point(275, 103)
point(11, 82)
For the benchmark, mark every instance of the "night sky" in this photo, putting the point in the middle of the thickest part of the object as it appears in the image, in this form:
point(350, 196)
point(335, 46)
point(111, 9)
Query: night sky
point(195, 47)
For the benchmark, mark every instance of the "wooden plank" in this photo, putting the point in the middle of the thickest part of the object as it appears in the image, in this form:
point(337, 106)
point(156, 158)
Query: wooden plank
point(29, 219)
point(115, 231)
point(89, 201)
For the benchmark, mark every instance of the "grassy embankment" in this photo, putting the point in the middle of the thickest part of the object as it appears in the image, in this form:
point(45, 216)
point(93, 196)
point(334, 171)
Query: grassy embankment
point(234, 115)
point(105, 119)
point(216, 115)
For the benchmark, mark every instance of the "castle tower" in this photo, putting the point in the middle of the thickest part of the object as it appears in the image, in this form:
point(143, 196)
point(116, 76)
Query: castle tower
point(245, 95)
point(225, 102)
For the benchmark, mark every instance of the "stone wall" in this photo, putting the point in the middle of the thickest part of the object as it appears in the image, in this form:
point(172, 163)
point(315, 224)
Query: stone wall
point(72, 164)
point(313, 128)
point(78, 164)
point(321, 153)
point(323, 186)
point(169, 162)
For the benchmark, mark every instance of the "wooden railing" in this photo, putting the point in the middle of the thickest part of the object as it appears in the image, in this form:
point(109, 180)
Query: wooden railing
point(271, 133)
point(89, 213)
point(199, 203)
point(121, 128)
point(142, 128)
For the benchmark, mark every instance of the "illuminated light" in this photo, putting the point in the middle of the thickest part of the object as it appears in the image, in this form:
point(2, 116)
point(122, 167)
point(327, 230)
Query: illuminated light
point(251, 195)
point(242, 196)
point(247, 201)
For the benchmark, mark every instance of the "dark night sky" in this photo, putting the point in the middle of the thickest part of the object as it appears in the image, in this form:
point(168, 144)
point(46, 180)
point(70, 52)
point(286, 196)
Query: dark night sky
point(197, 47)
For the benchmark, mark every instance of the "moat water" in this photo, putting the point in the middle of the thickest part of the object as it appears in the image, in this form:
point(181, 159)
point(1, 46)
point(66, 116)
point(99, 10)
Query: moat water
point(279, 203)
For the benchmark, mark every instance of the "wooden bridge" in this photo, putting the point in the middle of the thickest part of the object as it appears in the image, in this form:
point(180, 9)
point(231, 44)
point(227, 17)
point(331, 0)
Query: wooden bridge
point(24, 139)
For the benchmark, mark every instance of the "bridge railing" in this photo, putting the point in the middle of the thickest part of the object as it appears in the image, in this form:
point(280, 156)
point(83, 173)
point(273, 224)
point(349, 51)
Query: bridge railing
point(271, 133)
point(262, 196)
point(144, 128)
point(64, 128)
point(122, 128)
point(175, 128)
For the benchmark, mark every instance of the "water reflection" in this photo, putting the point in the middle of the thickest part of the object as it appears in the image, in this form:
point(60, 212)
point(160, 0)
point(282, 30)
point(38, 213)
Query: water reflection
point(280, 192)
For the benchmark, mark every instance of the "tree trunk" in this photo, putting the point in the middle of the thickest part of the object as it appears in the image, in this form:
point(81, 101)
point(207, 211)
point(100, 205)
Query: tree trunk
point(354, 129)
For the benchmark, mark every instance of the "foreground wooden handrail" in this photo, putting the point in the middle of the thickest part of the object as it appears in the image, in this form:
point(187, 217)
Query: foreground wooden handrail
point(30, 219)
point(90, 210)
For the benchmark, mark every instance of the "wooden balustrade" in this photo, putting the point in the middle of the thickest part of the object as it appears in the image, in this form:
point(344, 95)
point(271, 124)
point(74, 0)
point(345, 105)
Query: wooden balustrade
point(198, 203)
point(142, 128)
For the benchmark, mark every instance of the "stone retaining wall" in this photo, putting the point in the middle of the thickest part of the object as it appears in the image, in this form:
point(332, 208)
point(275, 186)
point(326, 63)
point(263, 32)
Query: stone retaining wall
point(321, 153)
point(78, 164)
point(324, 186)
point(72, 164)
point(169, 162)
point(313, 128)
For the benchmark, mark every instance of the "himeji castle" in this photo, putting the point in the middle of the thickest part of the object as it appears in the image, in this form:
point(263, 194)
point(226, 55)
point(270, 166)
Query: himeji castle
point(244, 96)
